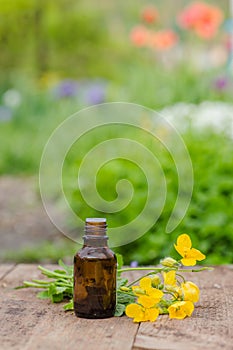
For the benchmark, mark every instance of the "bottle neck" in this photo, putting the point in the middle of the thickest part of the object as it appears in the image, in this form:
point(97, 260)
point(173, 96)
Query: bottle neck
point(93, 241)
point(95, 233)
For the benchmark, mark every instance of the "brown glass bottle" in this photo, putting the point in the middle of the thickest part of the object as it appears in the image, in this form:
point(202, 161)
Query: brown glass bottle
point(95, 273)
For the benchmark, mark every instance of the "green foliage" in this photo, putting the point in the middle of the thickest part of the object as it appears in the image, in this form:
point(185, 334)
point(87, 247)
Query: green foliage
point(69, 37)
point(58, 288)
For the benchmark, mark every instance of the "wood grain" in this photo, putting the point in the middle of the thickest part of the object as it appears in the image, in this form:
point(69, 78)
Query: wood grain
point(5, 269)
point(29, 323)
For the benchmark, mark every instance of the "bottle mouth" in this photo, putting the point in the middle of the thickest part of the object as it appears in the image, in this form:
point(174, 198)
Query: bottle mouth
point(96, 227)
point(96, 222)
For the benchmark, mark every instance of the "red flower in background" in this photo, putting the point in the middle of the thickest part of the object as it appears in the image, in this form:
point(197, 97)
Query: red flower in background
point(150, 14)
point(163, 39)
point(202, 18)
point(139, 36)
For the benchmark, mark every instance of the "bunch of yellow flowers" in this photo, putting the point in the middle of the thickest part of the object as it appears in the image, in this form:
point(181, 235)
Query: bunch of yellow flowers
point(166, 291)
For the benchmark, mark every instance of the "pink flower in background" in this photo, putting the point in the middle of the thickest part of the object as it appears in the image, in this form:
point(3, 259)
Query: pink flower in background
point(163, 39)
point(139, 36)
point(150, 14)
point(190, 15)
point(204, 19)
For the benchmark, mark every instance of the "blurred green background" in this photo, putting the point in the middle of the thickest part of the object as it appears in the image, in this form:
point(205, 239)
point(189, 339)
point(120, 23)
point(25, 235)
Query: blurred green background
point(58, 57)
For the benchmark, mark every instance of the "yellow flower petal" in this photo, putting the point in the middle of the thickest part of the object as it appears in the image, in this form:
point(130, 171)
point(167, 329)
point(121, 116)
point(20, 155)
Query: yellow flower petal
point(184, 241)
point(188, 262)
point(188, 308)
point(134, 311)
point(181, 309)
point(181, 250)
point(147, 301)
point(170, 278)
point(151, 314)
point(145, 283)
point(155, 294)
point(190, 291)
point(196, 254)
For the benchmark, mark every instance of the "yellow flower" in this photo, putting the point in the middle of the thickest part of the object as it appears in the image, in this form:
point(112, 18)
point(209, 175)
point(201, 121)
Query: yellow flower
point(141, 314)
point(190, 291)
point(170, 283)
point(148, 298)
point(145, 289)
point(181, 309)
point(190, 255)
point(169, 278)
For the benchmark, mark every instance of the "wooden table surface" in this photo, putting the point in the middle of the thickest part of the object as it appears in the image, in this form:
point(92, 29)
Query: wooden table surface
point(29, 323)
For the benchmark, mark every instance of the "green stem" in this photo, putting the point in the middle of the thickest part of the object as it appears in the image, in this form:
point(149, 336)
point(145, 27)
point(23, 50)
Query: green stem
point(182, 277)
point(139, 278)
point(196, 270)
point(33, 285)
point(158, 269)
point(41, 282)
point(64, 285)
point(170, 294)
point(52, 274)
point(122, 291)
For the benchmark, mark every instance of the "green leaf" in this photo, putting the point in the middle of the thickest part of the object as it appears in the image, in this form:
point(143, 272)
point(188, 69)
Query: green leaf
point(120, 309)
point(121, 282)
point(67, 268)
point(69, 306)
point(60, 290)
point(43, 295)
point(53, 289)
point(57, 298)
point(124, 298)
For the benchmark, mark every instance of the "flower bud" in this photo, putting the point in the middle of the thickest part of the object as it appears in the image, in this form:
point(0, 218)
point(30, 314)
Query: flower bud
point(169, 262)
point(125, 289)
point(139, 291)
point(190, 291)
point(155, 281)
point(173, 289)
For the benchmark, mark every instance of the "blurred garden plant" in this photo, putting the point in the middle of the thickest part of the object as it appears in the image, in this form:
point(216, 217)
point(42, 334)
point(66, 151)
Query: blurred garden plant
point(200, 18)
point(148, 33)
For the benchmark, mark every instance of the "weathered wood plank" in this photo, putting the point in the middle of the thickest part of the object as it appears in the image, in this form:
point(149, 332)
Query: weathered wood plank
point(29, 323)
point(210, 326)
point(5, 269)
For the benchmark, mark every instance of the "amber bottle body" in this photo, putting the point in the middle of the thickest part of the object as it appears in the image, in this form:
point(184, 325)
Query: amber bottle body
point(95, 279)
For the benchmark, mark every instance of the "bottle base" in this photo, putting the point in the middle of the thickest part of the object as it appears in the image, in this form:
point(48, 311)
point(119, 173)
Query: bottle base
point(94, 315)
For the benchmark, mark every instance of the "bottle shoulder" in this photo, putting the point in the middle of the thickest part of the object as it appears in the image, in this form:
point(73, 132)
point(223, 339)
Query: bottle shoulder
point(95, 253)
